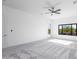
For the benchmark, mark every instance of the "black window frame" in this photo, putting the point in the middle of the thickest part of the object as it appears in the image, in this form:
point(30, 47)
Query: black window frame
point(71, 33)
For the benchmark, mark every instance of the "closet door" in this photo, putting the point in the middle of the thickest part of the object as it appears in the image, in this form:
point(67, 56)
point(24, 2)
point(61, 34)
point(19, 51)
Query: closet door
point(10, 29)
point(8, 33)
point(4, 27)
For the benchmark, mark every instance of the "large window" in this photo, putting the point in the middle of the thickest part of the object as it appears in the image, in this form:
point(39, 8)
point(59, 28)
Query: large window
point(67, 29)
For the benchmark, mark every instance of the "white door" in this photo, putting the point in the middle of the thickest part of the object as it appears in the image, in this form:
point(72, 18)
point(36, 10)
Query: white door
point(4, 28)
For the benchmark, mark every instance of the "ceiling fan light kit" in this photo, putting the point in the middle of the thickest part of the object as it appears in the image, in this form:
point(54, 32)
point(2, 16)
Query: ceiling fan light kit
point(51, 9)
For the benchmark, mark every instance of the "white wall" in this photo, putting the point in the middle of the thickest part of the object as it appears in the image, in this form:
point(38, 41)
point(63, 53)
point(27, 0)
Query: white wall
point(55, 24)
point(27, 27)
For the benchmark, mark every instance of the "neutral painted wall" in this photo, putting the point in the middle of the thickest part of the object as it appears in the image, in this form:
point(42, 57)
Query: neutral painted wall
point(55, 24)
point(26, 27)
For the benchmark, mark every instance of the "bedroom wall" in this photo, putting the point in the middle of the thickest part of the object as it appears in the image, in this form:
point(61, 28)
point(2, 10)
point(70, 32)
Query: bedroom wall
point(26, 27)
point(55, 24)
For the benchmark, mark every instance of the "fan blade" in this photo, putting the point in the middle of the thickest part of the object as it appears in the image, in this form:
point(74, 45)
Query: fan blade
point(58, 10)
point(49, 9)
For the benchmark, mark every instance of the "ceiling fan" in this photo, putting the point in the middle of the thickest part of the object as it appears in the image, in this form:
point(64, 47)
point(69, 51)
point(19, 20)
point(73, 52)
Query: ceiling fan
point(51, 9)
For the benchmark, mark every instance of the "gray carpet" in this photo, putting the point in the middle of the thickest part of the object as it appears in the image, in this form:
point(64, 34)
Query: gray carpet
point(40, 50)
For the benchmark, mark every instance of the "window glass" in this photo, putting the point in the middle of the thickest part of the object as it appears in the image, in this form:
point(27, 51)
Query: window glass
point(67, 29)
point(74, 29)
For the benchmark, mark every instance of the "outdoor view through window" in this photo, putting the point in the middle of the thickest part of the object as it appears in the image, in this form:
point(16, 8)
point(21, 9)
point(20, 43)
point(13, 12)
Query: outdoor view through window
point(67, 29)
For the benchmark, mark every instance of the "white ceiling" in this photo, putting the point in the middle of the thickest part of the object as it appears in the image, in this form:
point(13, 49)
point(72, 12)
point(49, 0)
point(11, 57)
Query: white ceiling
point(67, 7)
